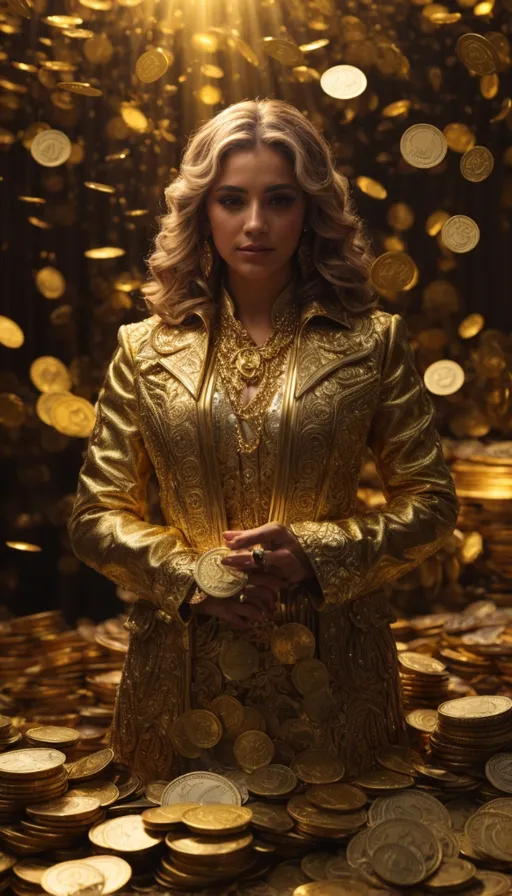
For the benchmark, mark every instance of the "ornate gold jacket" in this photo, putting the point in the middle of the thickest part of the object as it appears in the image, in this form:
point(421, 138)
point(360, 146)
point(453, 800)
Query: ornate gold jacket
point(350, 382)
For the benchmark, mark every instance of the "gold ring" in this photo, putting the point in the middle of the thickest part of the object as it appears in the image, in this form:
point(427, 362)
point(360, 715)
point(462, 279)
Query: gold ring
point(242, 598)
point(258, 555)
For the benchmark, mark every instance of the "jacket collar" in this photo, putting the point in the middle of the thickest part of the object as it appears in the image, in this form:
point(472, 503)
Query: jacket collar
point(183, 350)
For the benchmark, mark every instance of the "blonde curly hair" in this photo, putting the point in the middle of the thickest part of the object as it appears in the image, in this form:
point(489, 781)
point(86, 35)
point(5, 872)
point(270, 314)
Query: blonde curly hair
point(340, 253)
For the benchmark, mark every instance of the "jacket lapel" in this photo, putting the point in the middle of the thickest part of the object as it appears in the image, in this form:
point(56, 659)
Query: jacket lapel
point(183, 351)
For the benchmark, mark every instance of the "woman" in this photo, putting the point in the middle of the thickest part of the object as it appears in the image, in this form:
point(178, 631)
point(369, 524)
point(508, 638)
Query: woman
point(252, 392)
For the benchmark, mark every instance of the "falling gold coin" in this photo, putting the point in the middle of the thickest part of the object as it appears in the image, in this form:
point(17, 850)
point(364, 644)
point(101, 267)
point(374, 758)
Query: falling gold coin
point(49, 374)
point(74, 416)
point(444, 377)
point(81, 87)
point(50, 282)
point(11, 333)
point(393, 271)
point(477, 163)
point(343, 81)
point(105, 252)
point(460, 233)
point(51, 148)
point(477, 53)
point(202, 728)
point(292, 642)
point(151, 65)
point(471, 326)
point(285, 51)
point(423, 145)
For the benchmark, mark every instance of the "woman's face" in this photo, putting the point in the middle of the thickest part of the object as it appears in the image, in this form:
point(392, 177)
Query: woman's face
point(256, 199)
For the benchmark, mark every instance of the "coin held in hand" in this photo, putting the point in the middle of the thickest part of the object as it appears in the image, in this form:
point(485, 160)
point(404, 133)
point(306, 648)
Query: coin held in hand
point(215, 578)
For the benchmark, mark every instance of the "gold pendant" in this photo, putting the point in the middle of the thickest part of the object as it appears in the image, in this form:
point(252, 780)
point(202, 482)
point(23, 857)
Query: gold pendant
point(248, 363)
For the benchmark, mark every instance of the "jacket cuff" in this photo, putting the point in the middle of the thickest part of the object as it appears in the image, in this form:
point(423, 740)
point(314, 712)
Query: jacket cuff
point(174, 586)
point(324, 544)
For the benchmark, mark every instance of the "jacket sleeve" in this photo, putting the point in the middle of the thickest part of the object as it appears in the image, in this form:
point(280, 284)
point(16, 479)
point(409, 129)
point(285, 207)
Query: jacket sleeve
point(358, 555)
point(107, 526)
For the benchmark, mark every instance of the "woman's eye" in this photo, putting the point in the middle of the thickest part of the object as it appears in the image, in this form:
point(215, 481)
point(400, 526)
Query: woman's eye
point(281, 200)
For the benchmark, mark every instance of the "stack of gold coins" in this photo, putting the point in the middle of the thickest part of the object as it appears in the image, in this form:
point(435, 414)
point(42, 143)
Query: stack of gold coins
point(104, 686)
point(27, 773)
point(166, 818)
point(198, 861)
point(71, 815)
point(424, 679)
point(470, 730)
point(9, 734)
point(52, 736)
point(128, 838)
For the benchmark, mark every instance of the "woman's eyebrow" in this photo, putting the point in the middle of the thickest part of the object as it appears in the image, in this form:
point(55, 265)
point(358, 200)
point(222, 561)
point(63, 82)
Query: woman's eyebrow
point(266, 190)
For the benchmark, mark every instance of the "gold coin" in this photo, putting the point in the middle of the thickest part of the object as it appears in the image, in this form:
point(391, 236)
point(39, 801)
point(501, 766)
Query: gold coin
point(202, 728)
point(310, 676)
point(73, 416)
point(11, 333)
point(317, 767)
point(343, 82)
point(81, 87)
point(498, 770)
point(67, 806)
point(53, 734)
point(231, 713)
point(204, 847)
point(471, 326)
point(468, 709)
point(151, 65)
point(495, 883)
point(105, 791)
point(91, 765)
point(444, 377)
point(72, 877)
point(419, 662)
point(28, 764)
point(127, 834)
point(292, 642)
point(272, 781)
point(477, 53)
point(398, 864)
point(351, 887)
point(477, 163)
point(29, 870)
point(285, 51)
point(49, 374)
point(269, 817)
point(238, 659)
point(216, 579)
point(217, 819)
point(410, 804)
point(201, 787)
point(384, 779)
point(454, 873)
point(154, 791)
point(116, 871)
point(416, 835)
point(423, 145)
point(167, 816)
point(253, 749)
point(50, 148)
point(322, 821)
point(336, 797)
point(460, 233)
point(393, 271)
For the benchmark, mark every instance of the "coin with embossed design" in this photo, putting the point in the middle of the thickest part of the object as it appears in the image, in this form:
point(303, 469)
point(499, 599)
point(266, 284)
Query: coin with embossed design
point(127, 834)
point(423, 145)
point(292, 642)
point(202, 728)
point(231, 713)
point(116, 871)
point(91, 765)
point(413, 834)
point(238, 659)
point(67, 878)
point(498, 770)
point(399, 864)
point(272, 781)
point(460, 233)
point(253, 749)
point(451, 874)
point(201, 787)
point(477, 163)
point(336, 797)
point(318, 767)
point(310, 676)
point(217, 819)
point(105, 791)
point(31, 763)
point(269, 817)
point(217, 579)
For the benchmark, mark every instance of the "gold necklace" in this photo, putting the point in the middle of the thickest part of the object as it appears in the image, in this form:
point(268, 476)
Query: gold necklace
point(242, 363)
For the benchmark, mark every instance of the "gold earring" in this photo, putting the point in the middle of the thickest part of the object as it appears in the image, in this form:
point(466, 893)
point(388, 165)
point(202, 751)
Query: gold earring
point(206, 259)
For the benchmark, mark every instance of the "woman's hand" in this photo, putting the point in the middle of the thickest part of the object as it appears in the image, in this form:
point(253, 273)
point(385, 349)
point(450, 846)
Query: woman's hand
point(256, 608)
point(285, 561)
